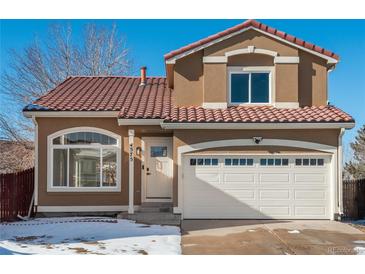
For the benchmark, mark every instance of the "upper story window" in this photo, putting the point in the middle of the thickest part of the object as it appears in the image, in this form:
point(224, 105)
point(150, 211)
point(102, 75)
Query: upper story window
point(84, 160)
point(250, 87)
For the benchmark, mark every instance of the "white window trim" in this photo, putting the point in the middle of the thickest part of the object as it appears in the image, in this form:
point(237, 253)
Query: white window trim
point(245, 70)
point(51, 147)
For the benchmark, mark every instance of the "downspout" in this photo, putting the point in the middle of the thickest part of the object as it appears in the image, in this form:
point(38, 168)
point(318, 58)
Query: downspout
point(34, 200)
point(35, 163)
point(339, 173)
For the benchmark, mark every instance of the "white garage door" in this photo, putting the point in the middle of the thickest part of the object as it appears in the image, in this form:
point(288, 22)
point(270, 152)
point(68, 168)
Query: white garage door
point(256, 187)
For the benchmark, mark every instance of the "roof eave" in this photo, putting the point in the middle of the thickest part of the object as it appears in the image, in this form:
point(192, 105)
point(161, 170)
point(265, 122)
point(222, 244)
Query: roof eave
point(63, 113)
point(139, 121)
point(172, 59)
point(238, 125)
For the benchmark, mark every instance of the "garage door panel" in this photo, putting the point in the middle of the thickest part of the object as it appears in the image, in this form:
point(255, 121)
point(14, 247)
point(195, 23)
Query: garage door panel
point(255, 192)
point(275, 211)
point(274, 194)
point(236, 177)
point(310, 211)
point(242, 194)
point(274, 178)
point(212, 177)
point(310, 195)
point(238, 212)
point(310, 178)
point(233, 197)
point(200, 185)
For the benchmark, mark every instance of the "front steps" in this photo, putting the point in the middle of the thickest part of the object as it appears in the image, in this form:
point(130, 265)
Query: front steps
point(154, 214)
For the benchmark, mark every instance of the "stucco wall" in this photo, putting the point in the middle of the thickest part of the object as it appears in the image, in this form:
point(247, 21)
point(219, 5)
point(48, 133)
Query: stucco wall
point(250, 38)
point(312, 80)
point(215, 83)
point(286, 82)
point(47, 126)
point(188, 80)
point(305, 83)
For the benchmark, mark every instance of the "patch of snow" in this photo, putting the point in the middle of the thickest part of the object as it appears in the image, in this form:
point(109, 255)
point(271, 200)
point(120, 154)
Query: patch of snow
point(359, 250)
point(294, 231)
point(359, 242)
point(87, 236)
point(251, 230)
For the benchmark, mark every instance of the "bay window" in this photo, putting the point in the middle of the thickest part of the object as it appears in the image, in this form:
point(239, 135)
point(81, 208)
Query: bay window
point(85, 160)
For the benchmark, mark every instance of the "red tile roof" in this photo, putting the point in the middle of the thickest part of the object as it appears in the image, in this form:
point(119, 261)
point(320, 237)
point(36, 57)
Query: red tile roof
point(109, 94)
point(258, 25)
point(154, 101)
point(259, 114)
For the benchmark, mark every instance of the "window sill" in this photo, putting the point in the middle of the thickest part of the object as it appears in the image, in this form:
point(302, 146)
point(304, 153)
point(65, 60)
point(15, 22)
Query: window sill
point(249, 104)
point(84, 189)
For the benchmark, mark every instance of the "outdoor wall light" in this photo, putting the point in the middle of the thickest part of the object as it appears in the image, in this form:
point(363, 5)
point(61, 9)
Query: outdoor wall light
point(257, 140)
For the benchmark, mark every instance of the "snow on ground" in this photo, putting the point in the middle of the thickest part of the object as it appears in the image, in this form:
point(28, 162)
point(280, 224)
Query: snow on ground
point(293, 231)
point(359, 250)
point(87, 235)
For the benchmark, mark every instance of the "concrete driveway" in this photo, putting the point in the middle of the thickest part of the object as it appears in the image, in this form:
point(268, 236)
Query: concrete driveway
point(269, 237)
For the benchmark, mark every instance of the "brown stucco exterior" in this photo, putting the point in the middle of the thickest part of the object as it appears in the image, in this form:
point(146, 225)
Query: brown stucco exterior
point(312, 81)
point(215, 91)
point(48, 126)
point(188, 80)
point(286, 83)
point(196, 83)
point(250, 38)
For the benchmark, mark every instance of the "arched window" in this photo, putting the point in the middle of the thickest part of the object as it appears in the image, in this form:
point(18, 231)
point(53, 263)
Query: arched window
point(84, 159)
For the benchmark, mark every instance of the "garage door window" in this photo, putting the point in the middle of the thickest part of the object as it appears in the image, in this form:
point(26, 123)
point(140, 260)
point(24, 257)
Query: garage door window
point(274, 162)
point(309, 162)
point(203, 161)
point(238, 162)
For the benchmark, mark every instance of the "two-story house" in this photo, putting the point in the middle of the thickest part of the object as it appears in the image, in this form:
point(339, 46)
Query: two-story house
point(239, 128)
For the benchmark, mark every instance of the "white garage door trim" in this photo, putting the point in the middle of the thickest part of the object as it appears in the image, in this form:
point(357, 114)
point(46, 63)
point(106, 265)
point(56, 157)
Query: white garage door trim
point(265, 142)
point(256, 186)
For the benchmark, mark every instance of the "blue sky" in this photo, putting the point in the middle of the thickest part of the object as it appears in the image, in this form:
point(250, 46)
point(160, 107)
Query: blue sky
point(149, 40)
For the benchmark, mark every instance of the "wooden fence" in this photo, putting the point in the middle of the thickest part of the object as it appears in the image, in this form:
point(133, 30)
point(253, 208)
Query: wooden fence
point(354, 199)
point(16, 191)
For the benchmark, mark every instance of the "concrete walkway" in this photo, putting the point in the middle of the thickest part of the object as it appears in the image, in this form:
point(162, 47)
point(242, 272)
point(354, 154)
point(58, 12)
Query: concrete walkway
point(267, 237)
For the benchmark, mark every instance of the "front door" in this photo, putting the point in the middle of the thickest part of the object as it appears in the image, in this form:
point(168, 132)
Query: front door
point(158, 169)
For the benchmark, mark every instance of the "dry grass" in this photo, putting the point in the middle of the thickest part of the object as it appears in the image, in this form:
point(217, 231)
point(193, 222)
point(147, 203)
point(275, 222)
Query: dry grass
point(142, 252)
point(28, 238)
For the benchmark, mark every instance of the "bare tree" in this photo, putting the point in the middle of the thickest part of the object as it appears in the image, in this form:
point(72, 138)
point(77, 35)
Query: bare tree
point(42, 65)
point(15, 156)
point(355, 168)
